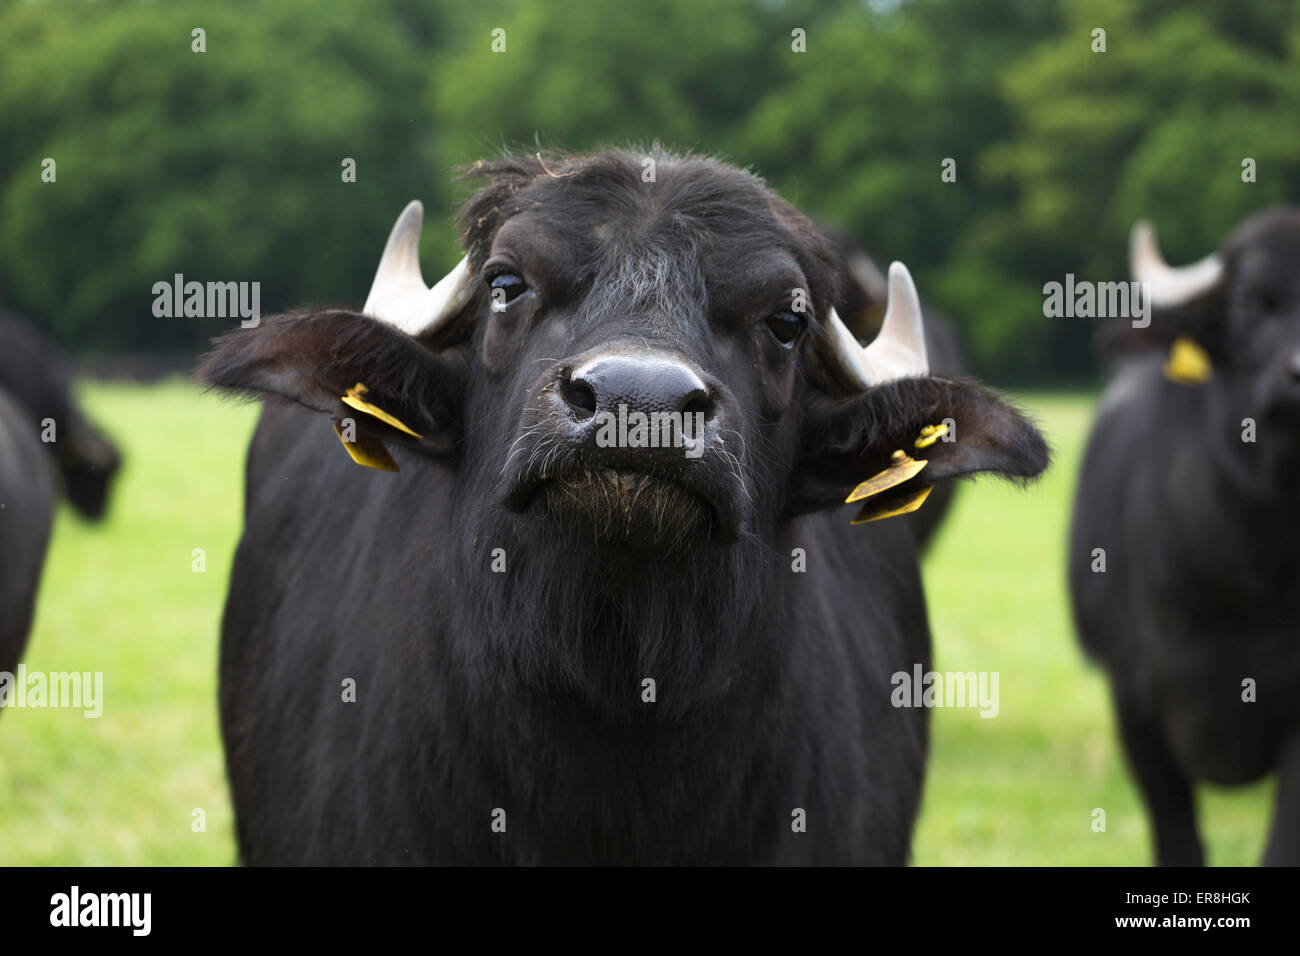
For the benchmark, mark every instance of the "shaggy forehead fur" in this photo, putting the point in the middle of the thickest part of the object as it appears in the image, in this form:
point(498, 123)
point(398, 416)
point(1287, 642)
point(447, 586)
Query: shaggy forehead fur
point(697, 213)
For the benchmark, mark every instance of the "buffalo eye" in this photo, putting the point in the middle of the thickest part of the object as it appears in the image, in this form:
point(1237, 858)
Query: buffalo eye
point(1259, 300)
point(786, 326)
point(506, 286)
point(1266, 301)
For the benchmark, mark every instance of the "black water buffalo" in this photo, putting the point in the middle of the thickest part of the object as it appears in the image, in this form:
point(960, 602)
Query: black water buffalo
point(538, 645)
point(864, 294)
point(1190, 493)
point(41, 431)
point(39, 377)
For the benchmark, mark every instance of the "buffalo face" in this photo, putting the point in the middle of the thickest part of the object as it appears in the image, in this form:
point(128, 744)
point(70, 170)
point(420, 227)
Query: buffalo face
point(647, 339)
point(1262, 298)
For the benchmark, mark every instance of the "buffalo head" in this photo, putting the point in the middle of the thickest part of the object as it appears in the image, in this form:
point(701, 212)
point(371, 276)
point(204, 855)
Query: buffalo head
point(650, 362)
point(1240, 305)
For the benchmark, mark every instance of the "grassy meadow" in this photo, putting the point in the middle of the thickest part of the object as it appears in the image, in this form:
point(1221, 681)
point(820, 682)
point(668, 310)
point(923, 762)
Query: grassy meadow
point(125, 598)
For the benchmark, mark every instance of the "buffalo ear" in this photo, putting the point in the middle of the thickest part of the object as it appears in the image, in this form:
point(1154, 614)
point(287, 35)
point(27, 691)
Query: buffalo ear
point(354, 369)
point(948, 428)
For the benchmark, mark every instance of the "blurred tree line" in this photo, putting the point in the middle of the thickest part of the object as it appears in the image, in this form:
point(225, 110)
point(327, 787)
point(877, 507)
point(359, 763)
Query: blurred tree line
point(227, 164)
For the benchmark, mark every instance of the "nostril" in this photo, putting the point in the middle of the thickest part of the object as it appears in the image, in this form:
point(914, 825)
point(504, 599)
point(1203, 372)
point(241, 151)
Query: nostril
point(579, 396)
point(698, 403)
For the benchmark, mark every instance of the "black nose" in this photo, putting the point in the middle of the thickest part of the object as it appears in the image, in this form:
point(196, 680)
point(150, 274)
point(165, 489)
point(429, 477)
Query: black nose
point(1293, 368)
point(642, 383)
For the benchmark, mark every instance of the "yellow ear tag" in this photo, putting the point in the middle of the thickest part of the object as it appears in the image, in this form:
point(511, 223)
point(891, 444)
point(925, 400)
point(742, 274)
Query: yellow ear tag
point(930, 434)
point(1188, 363)
point(367, 451)
point(353, 398)
point(901, 467)
point(892, 505)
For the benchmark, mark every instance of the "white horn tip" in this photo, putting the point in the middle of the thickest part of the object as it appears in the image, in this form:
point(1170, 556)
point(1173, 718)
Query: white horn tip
point(900, 283)
point(410, 221)
point(1142, 246)
point(398, 274)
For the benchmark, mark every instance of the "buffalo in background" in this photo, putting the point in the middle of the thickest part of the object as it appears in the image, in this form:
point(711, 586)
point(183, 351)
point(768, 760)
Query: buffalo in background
point(1190, 494)
point(36, 402)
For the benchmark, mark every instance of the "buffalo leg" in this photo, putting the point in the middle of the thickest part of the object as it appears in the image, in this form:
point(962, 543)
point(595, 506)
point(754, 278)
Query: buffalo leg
point(1284, 840)
point(1166, 790)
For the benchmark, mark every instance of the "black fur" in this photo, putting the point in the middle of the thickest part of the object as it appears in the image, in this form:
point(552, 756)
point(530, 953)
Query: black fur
point(521, 690)
point(34, 371)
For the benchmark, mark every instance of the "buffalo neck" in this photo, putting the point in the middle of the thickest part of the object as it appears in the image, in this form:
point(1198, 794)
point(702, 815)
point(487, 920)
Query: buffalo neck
point(1234, 501)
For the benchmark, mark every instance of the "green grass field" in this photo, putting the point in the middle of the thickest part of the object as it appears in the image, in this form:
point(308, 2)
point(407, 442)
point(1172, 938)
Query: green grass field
point(124, 598)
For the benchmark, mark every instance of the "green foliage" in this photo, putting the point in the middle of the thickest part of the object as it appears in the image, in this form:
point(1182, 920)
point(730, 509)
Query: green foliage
point(1158, 125)
point(226, 164)
point(221, 165)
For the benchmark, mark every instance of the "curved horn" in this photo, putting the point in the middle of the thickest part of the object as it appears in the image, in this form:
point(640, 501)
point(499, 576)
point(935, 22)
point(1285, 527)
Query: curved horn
point(1169, 286)
point(399, 296)
point(899, 350)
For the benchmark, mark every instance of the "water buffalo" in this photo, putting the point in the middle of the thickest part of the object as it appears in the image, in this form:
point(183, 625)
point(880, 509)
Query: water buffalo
point(42, 431)
point(535, 644)
point(38, 376)
point(1184, 570)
